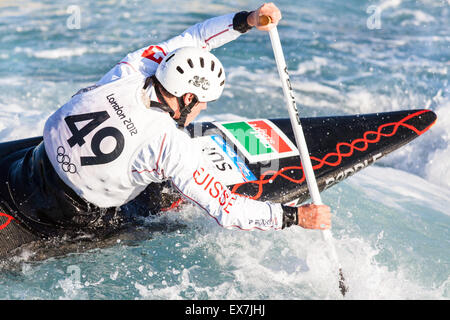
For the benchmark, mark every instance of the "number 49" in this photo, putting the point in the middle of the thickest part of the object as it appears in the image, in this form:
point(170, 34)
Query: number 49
point(96, 119)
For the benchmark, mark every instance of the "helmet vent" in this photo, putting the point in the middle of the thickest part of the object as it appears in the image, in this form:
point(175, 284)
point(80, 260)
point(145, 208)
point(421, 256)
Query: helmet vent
point(222, 83)
point(212, 65)
point(190, 63)
point(180, 70)
point(220, 73)
point(202, 62)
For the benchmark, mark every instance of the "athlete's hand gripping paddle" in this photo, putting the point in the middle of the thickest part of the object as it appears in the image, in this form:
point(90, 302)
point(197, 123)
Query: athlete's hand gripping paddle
point(300, 138)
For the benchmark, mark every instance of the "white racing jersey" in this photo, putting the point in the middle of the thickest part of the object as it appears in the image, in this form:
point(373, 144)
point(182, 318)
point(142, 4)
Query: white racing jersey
point(108, 145)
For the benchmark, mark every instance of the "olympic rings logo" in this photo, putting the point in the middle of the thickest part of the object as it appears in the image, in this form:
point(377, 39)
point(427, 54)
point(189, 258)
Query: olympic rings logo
point(64, 160)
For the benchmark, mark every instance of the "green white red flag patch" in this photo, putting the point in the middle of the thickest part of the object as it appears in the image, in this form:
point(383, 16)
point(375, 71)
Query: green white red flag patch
point(258, 140)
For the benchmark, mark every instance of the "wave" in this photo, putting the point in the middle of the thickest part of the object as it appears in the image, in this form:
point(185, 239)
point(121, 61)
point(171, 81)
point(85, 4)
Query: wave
point(66, 52)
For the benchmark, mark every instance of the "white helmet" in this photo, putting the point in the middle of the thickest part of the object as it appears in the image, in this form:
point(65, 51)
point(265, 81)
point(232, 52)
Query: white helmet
point(192, 70)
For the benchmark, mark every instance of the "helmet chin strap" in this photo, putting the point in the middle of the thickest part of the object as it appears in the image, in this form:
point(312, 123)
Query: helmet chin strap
point(184, 109)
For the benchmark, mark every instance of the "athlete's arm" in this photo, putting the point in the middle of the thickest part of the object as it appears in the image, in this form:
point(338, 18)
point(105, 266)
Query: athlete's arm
point(209, 35)
point(174, 156)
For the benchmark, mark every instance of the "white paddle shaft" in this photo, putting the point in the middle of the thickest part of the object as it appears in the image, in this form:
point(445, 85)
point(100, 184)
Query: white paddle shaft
point(294, 116)
point(301, 142)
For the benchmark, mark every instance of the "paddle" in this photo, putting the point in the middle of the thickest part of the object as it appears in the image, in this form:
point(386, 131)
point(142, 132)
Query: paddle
point(300, 138)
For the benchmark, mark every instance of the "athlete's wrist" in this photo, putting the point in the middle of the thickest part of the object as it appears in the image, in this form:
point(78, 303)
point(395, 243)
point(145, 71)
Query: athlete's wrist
point(241, 21)
point(290, 216)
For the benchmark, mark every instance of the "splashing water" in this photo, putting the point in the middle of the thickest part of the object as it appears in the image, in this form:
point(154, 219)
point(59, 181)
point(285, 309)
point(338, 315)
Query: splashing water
point(391, 221)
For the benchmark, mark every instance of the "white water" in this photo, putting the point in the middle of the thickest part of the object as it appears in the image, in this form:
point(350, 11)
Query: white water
point(391, 220)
